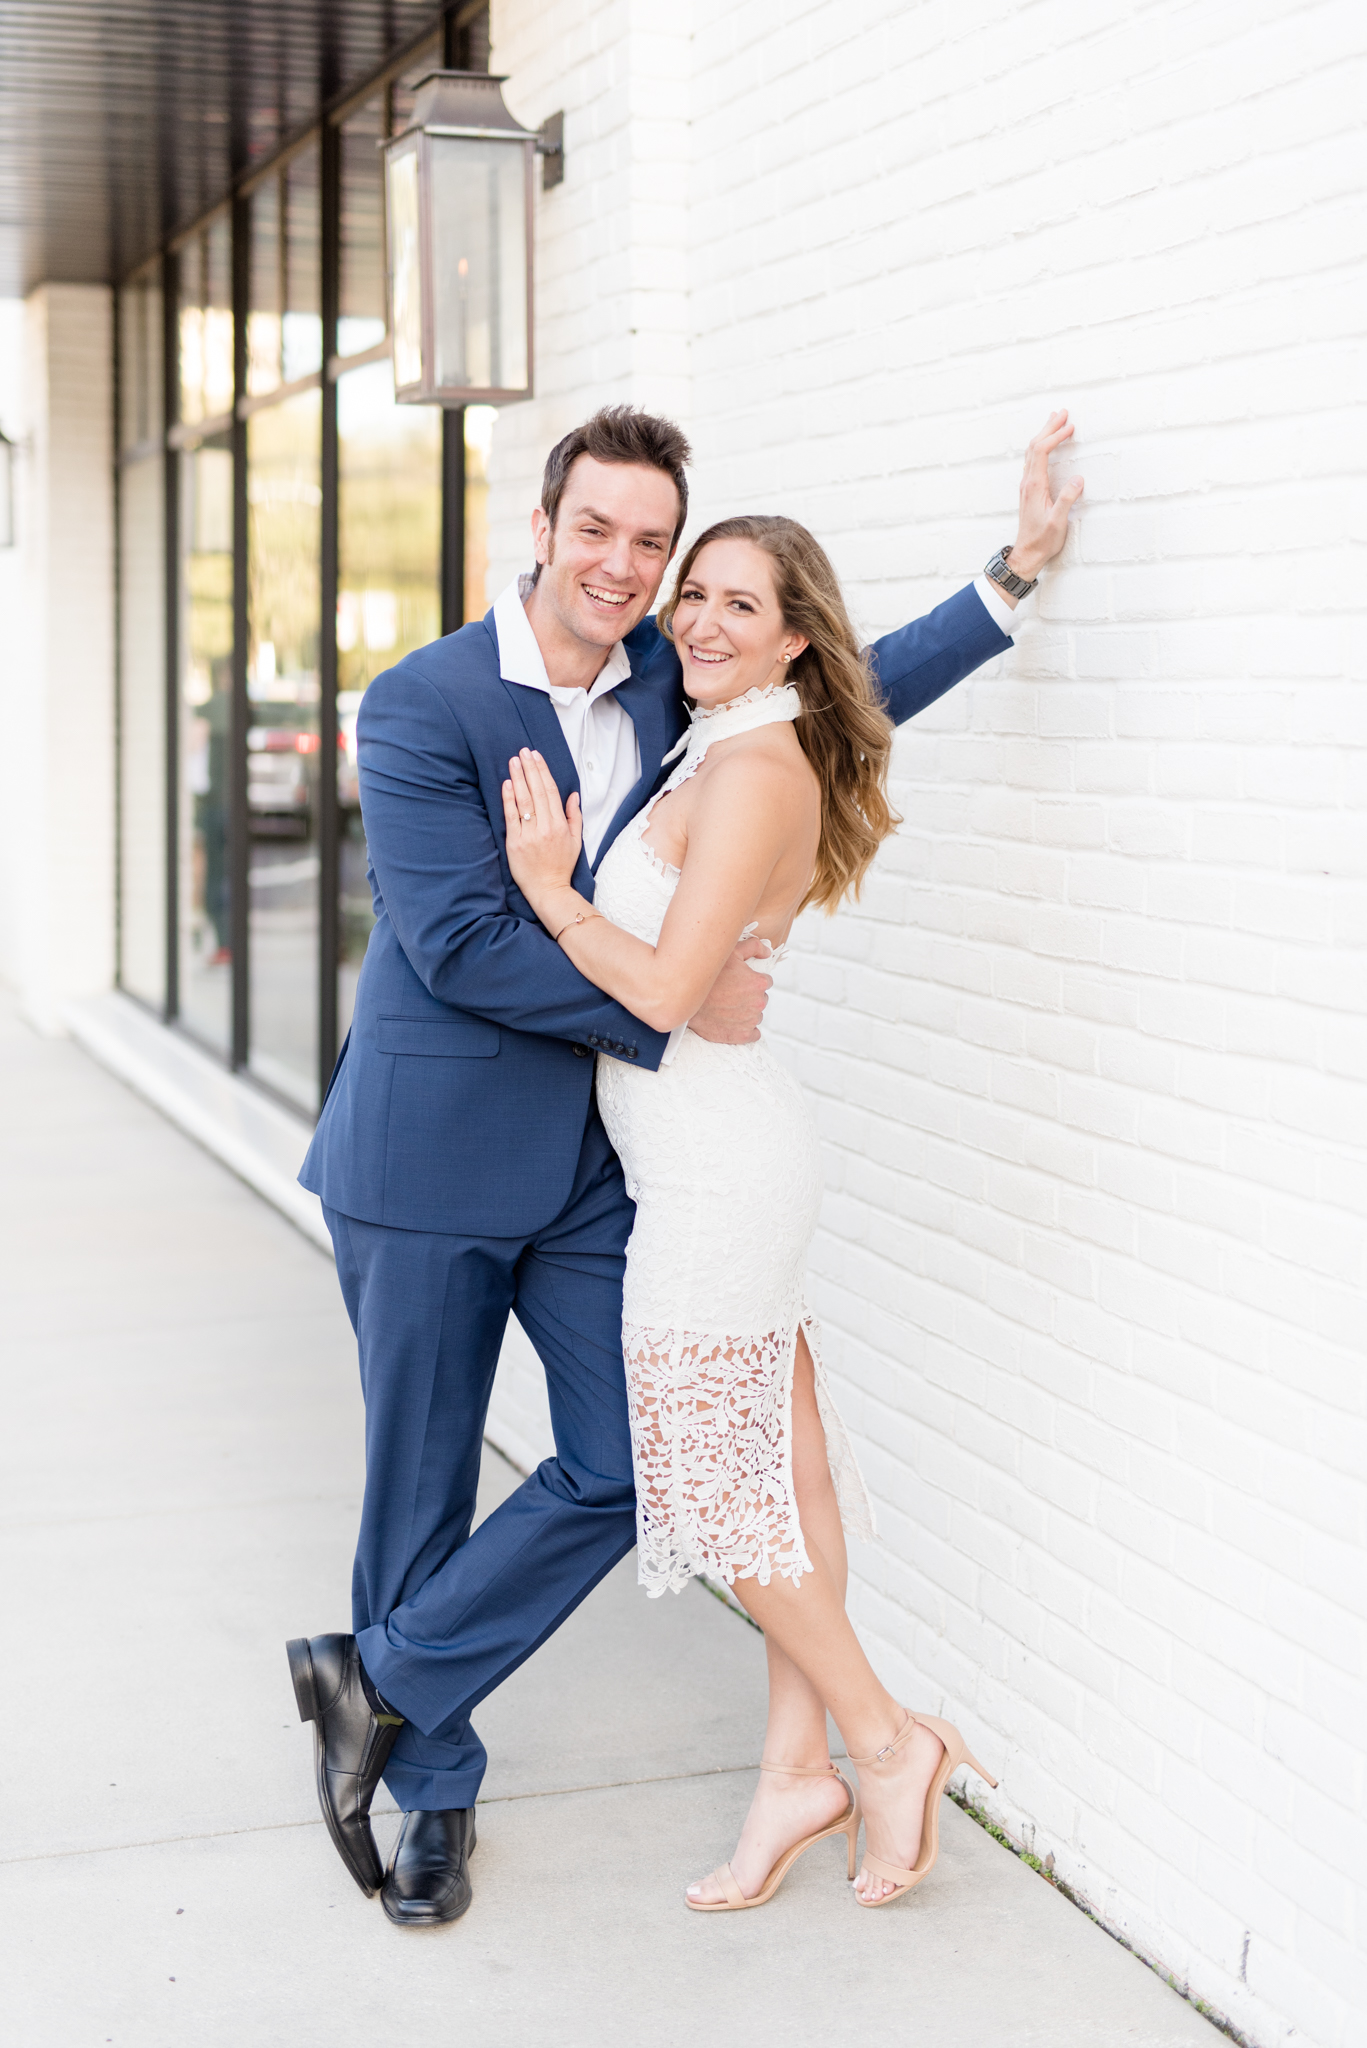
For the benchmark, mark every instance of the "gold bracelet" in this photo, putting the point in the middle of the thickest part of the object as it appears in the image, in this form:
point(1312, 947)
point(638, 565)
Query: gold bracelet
point(578, 918)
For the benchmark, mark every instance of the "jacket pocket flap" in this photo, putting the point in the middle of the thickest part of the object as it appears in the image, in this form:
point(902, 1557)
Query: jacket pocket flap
point(456, 1037)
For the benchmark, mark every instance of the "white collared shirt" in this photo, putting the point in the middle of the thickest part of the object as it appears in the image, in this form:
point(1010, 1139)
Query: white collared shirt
point(1003, 617)
point(598, 732)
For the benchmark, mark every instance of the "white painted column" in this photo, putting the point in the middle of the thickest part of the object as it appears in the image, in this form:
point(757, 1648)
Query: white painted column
point(57, 660)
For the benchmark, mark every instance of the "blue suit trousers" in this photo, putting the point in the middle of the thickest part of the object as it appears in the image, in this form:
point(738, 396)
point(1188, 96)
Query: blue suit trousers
point(442, 1616)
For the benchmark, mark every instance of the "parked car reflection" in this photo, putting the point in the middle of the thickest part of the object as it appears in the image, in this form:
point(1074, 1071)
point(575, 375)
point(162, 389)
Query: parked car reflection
point(282, 773)
point(348, 776)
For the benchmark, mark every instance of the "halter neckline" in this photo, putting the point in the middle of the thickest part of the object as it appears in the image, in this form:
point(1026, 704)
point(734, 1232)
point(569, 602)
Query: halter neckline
point(775, 706)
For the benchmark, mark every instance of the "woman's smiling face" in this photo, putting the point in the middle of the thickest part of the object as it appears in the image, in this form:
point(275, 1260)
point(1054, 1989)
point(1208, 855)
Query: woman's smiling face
point(727, 625)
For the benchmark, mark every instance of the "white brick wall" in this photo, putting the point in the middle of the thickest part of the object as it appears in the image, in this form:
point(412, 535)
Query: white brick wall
point(1089, 1060)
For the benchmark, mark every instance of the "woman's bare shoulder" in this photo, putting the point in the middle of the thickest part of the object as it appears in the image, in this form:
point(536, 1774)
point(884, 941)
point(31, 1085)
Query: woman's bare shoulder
point(766, 764)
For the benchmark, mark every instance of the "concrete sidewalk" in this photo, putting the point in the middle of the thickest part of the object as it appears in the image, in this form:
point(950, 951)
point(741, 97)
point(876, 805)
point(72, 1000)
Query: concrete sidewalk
point(181, 1481)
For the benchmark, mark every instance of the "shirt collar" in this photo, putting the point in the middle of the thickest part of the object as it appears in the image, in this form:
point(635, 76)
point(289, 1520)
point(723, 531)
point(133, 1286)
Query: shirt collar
point(520, 660)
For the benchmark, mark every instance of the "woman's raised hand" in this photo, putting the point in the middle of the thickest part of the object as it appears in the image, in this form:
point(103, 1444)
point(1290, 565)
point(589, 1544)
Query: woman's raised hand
point(544, 835)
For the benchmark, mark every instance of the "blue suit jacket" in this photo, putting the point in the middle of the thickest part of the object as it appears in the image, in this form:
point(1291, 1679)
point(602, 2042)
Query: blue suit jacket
point(460, 1097)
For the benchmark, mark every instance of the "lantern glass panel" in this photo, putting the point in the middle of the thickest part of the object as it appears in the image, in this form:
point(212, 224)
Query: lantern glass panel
point(479, 263)
point(405, 262)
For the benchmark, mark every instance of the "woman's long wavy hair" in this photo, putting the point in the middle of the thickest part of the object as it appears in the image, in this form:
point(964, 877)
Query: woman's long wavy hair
point(843, 729)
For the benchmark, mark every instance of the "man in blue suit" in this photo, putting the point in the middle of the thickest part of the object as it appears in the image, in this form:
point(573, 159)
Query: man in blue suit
point(462, 1166)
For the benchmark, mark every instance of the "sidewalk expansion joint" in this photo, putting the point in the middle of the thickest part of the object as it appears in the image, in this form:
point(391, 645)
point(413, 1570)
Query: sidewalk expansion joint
point(271, 1827)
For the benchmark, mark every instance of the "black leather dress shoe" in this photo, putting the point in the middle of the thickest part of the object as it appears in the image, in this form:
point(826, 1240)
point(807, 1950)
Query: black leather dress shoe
point(429, 1873)
point(351, 1746)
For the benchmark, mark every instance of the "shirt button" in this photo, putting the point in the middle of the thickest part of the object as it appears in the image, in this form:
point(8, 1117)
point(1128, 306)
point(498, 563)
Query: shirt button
point(592, 766)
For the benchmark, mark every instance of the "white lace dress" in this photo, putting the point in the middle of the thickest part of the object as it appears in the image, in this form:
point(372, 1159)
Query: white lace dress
point(720, 1157)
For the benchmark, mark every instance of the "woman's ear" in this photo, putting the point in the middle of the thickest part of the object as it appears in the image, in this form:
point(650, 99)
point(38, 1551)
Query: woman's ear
point(793, 646)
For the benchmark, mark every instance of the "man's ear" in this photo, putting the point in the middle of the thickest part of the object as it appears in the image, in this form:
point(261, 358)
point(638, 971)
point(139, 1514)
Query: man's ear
point(541, 535)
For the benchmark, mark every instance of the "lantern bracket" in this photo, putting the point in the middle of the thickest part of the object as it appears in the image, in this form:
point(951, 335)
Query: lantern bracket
point(550, 147)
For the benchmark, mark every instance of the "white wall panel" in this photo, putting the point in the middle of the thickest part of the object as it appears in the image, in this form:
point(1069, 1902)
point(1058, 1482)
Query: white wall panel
point(1088, 1060)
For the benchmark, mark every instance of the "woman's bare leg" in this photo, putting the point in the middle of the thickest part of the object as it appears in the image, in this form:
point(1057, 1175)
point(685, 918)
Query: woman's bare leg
point(822, 1666)
point(796, 1730)
point(784, 1809)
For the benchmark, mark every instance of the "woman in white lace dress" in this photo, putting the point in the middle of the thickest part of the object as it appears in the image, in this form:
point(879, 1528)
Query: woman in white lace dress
point(743, 1468)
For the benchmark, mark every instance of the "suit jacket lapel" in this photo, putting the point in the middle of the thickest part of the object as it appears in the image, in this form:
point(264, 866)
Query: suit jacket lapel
point(537, 714)
point(658, 721)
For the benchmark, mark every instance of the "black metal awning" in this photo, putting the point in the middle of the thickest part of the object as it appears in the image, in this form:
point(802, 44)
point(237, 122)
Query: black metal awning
point(124, 120)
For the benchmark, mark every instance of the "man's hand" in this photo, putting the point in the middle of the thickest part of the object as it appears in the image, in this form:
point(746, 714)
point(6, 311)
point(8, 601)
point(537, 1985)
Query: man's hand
point(735, 1004)
point(1043, 526)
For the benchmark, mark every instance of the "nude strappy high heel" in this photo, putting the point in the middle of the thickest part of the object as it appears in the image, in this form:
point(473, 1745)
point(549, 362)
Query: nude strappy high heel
point(956, 1753)
point(848, 1825)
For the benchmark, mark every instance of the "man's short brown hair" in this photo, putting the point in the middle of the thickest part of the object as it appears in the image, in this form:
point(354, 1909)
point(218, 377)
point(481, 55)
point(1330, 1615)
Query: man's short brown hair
point(620, 433)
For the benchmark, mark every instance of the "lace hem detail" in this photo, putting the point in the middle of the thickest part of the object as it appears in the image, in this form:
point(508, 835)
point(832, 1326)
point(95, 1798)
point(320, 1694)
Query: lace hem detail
point(712, 1446)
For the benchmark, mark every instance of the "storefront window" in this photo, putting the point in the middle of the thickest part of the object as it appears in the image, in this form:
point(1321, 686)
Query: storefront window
point(205, 323)
point(206, 659)
point(361, 304)
point(283, 535)
point(388, 596)
point(284, 318)
point(479, 437)
point(266, 1006)
point(266, 290)
point(142, 645)
point(140, 367)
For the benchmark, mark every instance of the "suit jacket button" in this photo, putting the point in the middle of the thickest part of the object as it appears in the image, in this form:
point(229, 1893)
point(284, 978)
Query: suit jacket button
point(581, 1052)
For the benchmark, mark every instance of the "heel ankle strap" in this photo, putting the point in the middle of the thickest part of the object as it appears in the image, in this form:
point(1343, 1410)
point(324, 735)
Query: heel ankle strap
point(882, 1755)
point(798, 1770)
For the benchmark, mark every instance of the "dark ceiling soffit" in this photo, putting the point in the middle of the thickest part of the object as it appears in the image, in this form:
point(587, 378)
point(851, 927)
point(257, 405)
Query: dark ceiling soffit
point(353, 94)
point(342, 103)
point(154, 151)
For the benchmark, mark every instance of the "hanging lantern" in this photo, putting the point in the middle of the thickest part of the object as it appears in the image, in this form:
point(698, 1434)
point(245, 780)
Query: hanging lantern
point(458, 204)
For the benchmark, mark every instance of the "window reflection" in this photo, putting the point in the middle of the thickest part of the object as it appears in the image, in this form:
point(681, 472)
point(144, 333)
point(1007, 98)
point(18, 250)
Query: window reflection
point(140, 381)
point(266, 290)
point(284, 522)
point(205, 323)
point(361, 307)
point(206, 650)
point(284, 320)
point(301, 338)
point(142, 641)
point(389, 592)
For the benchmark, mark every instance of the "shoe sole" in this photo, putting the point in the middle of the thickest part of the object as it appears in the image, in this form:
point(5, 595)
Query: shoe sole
point(402, 1919)
point(306, 1698)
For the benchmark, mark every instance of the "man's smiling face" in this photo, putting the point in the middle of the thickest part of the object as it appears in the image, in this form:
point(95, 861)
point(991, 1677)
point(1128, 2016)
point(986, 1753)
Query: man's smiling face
point(602, 564)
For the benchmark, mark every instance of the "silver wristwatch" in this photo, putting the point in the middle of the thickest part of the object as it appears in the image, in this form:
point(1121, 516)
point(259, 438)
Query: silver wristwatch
point(1000, 572)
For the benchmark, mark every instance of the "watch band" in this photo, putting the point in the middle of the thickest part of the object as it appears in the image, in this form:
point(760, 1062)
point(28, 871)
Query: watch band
point(1001, 572)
